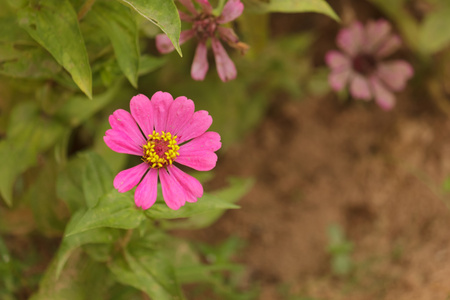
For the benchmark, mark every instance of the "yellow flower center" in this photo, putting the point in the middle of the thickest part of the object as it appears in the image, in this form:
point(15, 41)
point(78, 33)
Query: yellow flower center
point(161, 149)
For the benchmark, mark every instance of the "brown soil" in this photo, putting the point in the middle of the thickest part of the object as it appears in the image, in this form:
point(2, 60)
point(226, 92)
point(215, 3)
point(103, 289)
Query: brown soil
point(376, 174)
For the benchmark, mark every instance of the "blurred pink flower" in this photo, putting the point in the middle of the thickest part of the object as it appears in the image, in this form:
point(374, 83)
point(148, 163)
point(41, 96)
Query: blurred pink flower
point(163, 131)
point(361, 65)
point(205, 26)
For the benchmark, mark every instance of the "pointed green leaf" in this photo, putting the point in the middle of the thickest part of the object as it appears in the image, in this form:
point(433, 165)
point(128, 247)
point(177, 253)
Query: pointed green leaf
point(54, 25)
point(97, 178)
point(163, 13)
point(297, 6)
point(149, 271)
point(114, 210)
point(431, 36)
point(119, 23)
point(207, 203)
point(70, 243)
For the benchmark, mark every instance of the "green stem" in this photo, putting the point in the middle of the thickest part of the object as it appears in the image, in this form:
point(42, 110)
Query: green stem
point(85, 9)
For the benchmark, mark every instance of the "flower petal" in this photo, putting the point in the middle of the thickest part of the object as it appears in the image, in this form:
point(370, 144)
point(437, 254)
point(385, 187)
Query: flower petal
point(391, 45)
point(395, 74)
point(147, 190)
point(206, 6)
point(225, 66)
point(337, 61)
point(376, 33)
point(189, 5)
point(232, 10)
point(198, 160)
point(338, 80)
point(359, 87)
point(164, 44)
point(122, 121)
point(121, 143)
point(180, 112)
point(200, 64)
point(142, 111)
point(174, 195)
point(209, 141)
point(350, 39)
point(191, 185)
point(196, 126)
point(161, 103)
point(129, 178)
point(384, 98)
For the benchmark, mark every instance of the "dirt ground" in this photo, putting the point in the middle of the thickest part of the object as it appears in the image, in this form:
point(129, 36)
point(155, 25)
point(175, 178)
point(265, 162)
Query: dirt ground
point(376, 174)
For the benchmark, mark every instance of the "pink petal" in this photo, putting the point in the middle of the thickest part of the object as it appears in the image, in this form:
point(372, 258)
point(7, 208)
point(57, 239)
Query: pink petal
point(359, 87)
point(164, 44)
point(376, 32)
point(389, 46)
point(142, 111)
point(121, 143)
point(228, 35)
point(190, 7)
point(174, 195)
point(206, 6)
point(209, 141)
point(191, 185)
point(196, 126)
point(180, 112)
point(129, 178)
point(384, 98)
point(200, 64)
point(231, 10)
point(161, 102)
point(122, 121)
point(351, 39)
point(338, 80)
point(185, 17)
point(336, 60)
point(225, 66)
point(147, 190)
point(198, 160)
point(395, 74)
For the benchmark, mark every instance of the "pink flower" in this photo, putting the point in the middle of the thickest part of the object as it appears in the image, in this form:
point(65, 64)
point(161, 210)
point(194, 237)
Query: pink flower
point(361, 65)
point(163, 131)
point(206, 26)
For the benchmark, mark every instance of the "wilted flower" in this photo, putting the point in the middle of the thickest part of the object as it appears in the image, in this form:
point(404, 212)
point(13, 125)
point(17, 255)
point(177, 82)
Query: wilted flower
point(361, 63)
point(205, 26)
point(163, 131)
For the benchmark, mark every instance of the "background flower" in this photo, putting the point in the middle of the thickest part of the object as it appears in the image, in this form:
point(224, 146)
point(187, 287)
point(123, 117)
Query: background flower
point(163, 131)
point(206, 26)
point(361, 63)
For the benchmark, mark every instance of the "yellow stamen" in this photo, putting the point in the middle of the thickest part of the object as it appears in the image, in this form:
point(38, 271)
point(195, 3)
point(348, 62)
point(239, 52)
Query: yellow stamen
point(161, 149)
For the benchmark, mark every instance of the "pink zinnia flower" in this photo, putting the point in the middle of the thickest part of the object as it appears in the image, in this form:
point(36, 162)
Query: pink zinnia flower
point(205, 26)
point(361, 63)
point(163, 131)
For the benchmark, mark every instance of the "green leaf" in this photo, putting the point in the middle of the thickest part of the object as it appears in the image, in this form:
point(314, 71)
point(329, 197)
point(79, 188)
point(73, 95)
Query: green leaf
point(119, 23)
point(149, 63)
point(207, 203)
point(163, 13)
point(296, 6)
point(29, 133)
point(149, 271)
point(97, 178)
point(70, 243)
point(114, 210)
point(69, 184)
point(432, 36)
point(54, 25)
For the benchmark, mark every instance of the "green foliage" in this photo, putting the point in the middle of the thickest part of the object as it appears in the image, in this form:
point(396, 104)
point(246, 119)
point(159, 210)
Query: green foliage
point(54, 25)
point(163, 13)
point(340, 250)
point(431, 35)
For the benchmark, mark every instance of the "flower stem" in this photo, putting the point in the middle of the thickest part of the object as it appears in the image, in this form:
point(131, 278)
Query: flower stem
point(85, 9)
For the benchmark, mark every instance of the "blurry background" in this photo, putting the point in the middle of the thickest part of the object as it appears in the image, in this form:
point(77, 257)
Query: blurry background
point(343, 200)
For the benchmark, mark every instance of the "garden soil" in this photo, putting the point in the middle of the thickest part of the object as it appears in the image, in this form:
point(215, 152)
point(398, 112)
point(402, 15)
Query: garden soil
point(378, 175)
